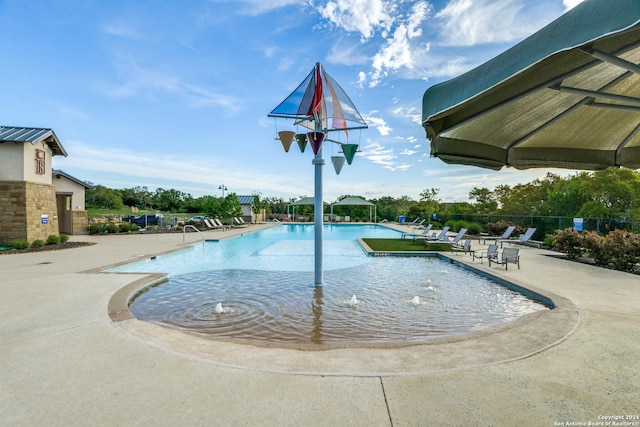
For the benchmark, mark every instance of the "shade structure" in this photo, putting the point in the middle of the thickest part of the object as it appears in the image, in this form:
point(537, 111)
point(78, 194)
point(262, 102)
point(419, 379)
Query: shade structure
point(566, 97)
point(356, 201)
point(302, 202)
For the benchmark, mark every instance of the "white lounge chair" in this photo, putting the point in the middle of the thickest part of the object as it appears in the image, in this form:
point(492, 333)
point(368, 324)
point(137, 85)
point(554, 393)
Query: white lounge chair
point(506, 235)
point(446, 241)
point(211, 225)
point(522, 240)
point(220, 224)
point(507, 256)
point(490, 253)
point(441, 236)
point(465, 247)
point(417, 235)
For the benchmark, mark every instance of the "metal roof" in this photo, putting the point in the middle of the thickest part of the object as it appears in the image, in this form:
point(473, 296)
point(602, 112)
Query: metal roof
point(58, 172)
point(32, 135)
point(245, 200)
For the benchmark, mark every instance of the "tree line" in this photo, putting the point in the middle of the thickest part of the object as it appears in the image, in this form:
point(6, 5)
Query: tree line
point(610, 193)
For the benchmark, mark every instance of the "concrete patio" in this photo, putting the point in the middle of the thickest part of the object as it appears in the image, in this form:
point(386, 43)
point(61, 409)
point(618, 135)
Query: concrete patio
point(71, 356)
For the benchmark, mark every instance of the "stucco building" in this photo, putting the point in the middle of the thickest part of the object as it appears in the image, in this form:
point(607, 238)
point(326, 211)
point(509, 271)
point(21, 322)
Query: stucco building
point(32, 205)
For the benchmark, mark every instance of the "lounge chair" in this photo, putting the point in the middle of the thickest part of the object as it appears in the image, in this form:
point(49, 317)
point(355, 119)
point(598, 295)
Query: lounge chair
point(417, 235)
point(414, 222)
point(506, 235)
point(465, 247)
point(508, 255)
point(420, 224)
point(211, 225)
point(490, 253)
point(446, 241)
point(522, 240)
point(439, 237)
point(238, 222)
point(220, 224)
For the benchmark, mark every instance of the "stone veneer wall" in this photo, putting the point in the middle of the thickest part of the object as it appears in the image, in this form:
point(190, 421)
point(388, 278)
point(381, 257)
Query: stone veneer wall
point(80, 222)
point(22, 205)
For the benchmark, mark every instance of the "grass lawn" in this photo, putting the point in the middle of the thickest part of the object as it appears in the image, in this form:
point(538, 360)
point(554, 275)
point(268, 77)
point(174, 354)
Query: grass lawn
point(403, 245)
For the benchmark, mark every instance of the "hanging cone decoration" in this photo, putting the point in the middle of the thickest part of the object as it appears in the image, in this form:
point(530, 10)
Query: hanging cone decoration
point(316, 139)
point(302, 141)
point(286, 138)
point(349, 151)
point(338, 163)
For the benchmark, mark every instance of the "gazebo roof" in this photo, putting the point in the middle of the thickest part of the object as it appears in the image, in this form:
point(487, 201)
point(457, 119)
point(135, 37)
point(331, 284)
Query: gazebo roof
point(353, 201)
point(306, 201)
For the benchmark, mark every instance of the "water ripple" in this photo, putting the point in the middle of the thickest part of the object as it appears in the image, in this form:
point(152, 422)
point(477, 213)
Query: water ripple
point(284, 307)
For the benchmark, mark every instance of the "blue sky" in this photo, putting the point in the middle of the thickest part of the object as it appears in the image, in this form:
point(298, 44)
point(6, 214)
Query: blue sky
point(171, 94)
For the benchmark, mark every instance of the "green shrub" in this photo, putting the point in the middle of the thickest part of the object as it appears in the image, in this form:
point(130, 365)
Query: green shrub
point(38, 243)
point(621, 250)
point(475, 228)
point(53, 240)
point(570, 242)
point(19, 244)
point(112, 227)
point(457, 224)
point(128, 227)
point(549, 239)
point(64, 238)
point(95, 228)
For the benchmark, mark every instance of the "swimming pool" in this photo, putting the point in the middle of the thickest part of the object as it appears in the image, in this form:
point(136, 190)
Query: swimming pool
point(258, 288)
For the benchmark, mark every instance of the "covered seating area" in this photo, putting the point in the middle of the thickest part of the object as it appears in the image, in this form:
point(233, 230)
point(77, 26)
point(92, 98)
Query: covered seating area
point(356, 201)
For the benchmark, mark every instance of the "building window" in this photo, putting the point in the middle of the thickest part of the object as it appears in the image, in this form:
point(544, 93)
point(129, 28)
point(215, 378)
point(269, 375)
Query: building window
point(40, 166)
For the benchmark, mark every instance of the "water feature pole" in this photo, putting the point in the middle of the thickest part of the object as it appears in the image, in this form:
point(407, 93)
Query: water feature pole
point(318, 213)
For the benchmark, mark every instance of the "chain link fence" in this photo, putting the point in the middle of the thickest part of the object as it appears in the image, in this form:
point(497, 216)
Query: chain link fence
point(549, 224)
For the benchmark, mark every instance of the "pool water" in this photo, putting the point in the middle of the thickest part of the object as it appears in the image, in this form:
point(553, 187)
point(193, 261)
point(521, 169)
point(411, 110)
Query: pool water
point(258, 288)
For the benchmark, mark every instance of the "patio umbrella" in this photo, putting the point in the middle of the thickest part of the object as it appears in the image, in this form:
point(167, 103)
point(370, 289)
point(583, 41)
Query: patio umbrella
point(566, 97)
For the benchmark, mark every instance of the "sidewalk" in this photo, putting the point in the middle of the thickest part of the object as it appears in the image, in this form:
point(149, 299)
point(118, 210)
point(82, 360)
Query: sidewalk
point(64, 361)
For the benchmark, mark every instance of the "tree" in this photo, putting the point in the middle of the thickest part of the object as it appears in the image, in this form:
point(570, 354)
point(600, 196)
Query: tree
point(612, 192)
point(485, 200)
point(101, 197)
point(258, 205)
point(168, 200)
point(567, 196)
point(212, 206)
point(429, 203)
point(231, 207)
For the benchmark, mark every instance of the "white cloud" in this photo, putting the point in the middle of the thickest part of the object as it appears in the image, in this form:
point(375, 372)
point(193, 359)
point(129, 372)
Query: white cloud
point(377, 122)
point(138, 81)
point(397, 52)
point(361, 16)
point(258, 7)
point(570, 4)
point(472, 22)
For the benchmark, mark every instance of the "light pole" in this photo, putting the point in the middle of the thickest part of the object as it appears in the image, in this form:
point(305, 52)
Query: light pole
point(223, 188)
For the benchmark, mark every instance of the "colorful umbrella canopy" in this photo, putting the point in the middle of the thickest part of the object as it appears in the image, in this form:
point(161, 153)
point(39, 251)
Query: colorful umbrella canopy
point(320, 104)
point(566, 97)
